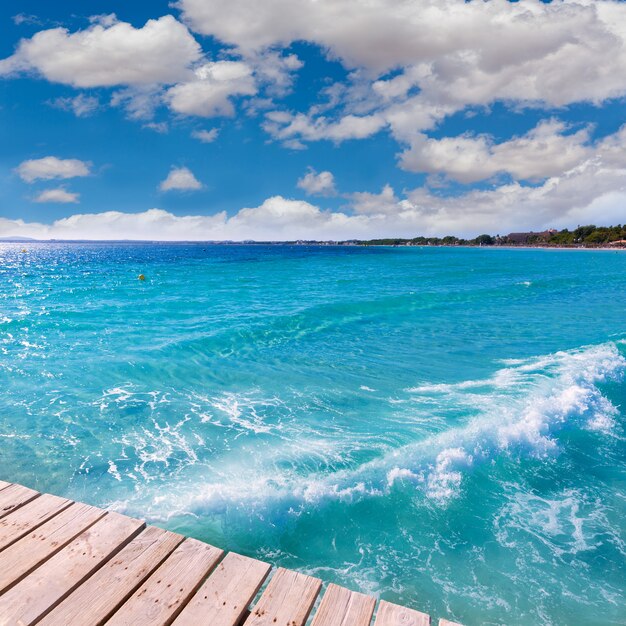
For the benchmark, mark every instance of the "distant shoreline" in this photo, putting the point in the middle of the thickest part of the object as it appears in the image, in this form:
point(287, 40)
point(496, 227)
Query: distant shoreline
point(338, 244)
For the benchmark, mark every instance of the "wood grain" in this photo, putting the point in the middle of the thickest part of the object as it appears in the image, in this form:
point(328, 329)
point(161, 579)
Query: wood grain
point(30, 516)
point(395, 615)
point(342, 607)
point(287, 600)
point(101, 594)
point(37, 594)
point(14, 496)
point(169, 588)
point(24, 555)
point(225, 596)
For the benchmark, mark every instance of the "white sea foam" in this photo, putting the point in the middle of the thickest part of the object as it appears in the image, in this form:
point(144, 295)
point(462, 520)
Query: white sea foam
point(519, 411)
point(243, 411)
point(114, 471)
point(567, 523)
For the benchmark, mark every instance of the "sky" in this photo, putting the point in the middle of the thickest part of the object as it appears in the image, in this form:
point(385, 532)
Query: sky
point(310, 119)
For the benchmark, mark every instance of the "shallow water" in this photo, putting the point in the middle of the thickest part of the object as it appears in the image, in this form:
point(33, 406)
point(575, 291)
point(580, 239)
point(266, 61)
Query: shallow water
point(440, 427)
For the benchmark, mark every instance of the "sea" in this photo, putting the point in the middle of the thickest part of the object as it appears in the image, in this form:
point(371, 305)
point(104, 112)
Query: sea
point(444, 428)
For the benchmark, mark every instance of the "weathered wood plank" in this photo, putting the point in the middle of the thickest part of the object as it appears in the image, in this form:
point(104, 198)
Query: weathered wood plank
point(15, 496)
point(225, 596)
point(394, 615)
point(342, 607)
point(287, 601)
point(168, 589)
point(24, 555)
point(4, 484)
point(28, 517)
point(34, 596)
point(100, 595)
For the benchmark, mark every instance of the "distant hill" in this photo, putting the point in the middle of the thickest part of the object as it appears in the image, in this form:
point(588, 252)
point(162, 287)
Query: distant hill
point(18, 239)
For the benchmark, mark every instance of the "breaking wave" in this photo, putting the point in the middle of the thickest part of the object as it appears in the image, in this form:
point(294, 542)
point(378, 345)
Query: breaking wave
point(520, 412)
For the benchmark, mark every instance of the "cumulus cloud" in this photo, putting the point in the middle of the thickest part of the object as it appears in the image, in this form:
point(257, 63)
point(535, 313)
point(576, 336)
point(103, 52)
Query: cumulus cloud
point(543, 152)
point(277, 218)
point(58, 196)
point(470, 50)
point(25, 18)
point(139, 101)
point(108, 53)
point(593, 191)
point(80, 105)
point(209, 93)
point(51, 167)
point(181, 179)
point(287, 127)
point(206, 136)
point(384, 202)
point(157, 127)
point(318, 184)
point(275, 70)
point(445, 55)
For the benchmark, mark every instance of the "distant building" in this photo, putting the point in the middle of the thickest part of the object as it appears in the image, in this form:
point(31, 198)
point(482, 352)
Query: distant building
point(531, 237)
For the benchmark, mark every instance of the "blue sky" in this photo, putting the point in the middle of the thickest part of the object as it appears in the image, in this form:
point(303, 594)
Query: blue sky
point(207, 119)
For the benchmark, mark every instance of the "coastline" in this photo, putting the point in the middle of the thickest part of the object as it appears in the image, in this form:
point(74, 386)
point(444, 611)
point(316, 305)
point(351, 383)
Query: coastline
point(300, 243)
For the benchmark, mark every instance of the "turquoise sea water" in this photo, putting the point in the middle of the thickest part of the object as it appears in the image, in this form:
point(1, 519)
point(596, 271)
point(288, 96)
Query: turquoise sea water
point(441, 427)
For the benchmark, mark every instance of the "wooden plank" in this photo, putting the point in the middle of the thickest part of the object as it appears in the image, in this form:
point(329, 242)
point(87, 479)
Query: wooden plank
point(287, 601)
point(24, 555)
point(99, 596)
point(3, 485)
point(34, 596)
point(28, 517)
point(394, 615)
point(342, 607)
point(226, 595)
point(169, 588)
point(15, 496)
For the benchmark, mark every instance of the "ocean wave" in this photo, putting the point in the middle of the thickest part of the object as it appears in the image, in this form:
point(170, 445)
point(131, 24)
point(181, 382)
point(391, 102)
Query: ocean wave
point(519, 412)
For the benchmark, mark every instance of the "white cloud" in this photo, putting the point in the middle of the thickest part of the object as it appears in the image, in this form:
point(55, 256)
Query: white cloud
point(275, 70)
point(157, 127)
point(592, 192)
point(446, 55)
point(288, 127)
point(277, 218)
point(318, 184)
point(209, 93)
point(381, 203)
point(180, 178)
point(206, 136)
point(25, 18)
point(463, 51)
point(108, 53)
point(59, 196)
point(543, 152)
point(140, 101)
point(51, 167)
point(80, 105)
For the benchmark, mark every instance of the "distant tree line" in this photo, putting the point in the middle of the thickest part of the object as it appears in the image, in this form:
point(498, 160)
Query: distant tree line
point(587, 236)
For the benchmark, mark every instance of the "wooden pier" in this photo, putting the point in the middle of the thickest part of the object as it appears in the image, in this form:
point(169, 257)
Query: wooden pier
point(67, 563)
